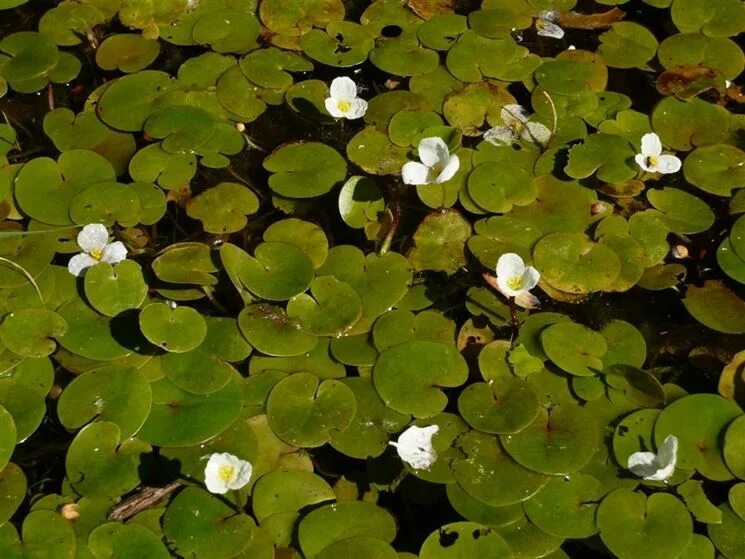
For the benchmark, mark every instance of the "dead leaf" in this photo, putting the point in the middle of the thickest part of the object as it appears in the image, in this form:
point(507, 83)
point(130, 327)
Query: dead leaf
point(427, 9)
point(604, 20)
point(685, 82)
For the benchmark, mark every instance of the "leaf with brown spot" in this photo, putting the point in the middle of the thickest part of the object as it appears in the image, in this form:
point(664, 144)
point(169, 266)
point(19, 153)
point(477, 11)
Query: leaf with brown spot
point(427, 9)
point(604, 20)
point(685, 82)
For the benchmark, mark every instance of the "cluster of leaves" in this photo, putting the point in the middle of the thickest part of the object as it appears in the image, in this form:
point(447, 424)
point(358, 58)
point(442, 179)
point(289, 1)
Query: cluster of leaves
point(239, 324)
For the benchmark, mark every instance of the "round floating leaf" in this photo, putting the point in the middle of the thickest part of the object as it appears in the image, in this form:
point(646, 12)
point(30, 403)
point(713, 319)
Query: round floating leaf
point(361, 547)
point(129, 101)
point(277, 272)
point(459, 540)
point(332, 308)
point(407, 125)
point(639, 387)
point(29, 332)
point(403, 56)
point(561, 440)
point(566, 506)
point(488, 474)
point(699, 442)
point(471, 107)
point(331, 523)
point(734, 447)
point(634, 525)
point(506, 405)
point(375, 153)
point(496, 186)
point(95, 336)
point(440, 242)
point(169, 170)
point(625, 344)
point(127, 52)
point(683, 212)
point(12, 491)
point(307, 236)
point(610, 156)
point(106, 203)
point(565, 77)
point(341, 44)
point(305, 169)
point(728, 535)
point(45, 190)
point(271, 331)
point(223, 208)
point(694, 49)
point(121, 396)
point(501, 234)
point(474, 510)
point(409, 376)
point(31, 57)
point(360, 201)
point(698, 503)
point(685, 124)
point(526, 540)
point(716, 169)
point(304, 412)
point(573, 263)
point(294, 19)
point(288, 491)
point(114, 289)
point(7, 436)
point(178, 418)
point(716, 307)
point(474, 57)
point(627, 45)
point(190, 263)
point(46, 535)
point(100, 464)
point(226, 30)
point(111, 539)
point(719, 18)
point(183, 128)
point(178, 330)
point(201, 524)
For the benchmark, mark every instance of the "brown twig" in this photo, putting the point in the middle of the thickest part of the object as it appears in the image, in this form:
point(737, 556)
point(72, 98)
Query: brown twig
point(145, 499)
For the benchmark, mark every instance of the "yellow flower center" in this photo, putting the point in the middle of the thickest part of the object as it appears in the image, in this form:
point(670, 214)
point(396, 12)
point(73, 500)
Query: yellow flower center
point(652, 160)
point(226, 472)
point(344, 106)
point(97, 253)
point(539, 25)
point(515, 283)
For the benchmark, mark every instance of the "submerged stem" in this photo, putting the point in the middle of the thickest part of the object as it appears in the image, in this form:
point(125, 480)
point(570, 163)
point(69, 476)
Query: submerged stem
point(395, 210)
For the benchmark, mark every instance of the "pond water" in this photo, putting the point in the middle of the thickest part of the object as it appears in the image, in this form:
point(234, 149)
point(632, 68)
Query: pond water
point(260, 278)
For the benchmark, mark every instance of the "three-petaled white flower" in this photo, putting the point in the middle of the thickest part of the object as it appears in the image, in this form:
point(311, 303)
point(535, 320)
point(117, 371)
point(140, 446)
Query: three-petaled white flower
point(516, 126)
point(225, 472)
point(343, 101)
point(651, 158)
point(546, 26)
point(414, 446)
point(437, 163)
point(515, 279)
point(656, 467)
point(94, 240)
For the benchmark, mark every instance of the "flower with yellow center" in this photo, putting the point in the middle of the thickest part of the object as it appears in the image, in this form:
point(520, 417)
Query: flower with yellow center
point(436, 164)
point(225, 472)
point(94, 240)
point(343, 101)
point(414, 446)
point(516, 126)
point(651, 158)
point(515, 279)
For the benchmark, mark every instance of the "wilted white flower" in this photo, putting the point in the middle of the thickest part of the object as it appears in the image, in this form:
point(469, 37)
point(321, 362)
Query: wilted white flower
point(516, 126)
point(94, 240)
point(546, 26)
point(343, 101)
point(656, 467)
point(225, 472)
point(515, 279)
point(651, 158)
point(414, 446)
point(437, 163)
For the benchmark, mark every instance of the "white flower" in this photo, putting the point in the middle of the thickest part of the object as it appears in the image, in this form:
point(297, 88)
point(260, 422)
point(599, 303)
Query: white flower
point(438, 164)
point(225, 472)
point(651, 158)
point(656, 467)
point(414, 446)
point(343, 101)
point(515, 279)
point(545, 25)
point(94, 240)
point(516, 126)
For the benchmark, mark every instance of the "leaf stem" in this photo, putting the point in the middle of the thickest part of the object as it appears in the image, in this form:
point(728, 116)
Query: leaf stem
point(395, 211)
point(555, 117)
point(28, 276)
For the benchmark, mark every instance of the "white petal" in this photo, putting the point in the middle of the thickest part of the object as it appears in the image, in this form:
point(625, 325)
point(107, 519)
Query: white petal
point(531, 276)
point(536, 132)
point(548, 15)
point(549, 29)
point(527, 300)
point(667, 453)
point(333, 108)
point(79, 263)
point(511, 114)
point(414, 172)
point(641, 160)
point(432, 151)
point(662, 474)
point(414, 446)
point(343, 88)
point(114, 252)
point(643, 464)
point(243, 473)
point(510, 264)
point(668, 164)
point(359, 108)
point(651, 144)
point(93, 237)
point(500, 136)
point(212, 478)
point(448, 172)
